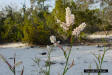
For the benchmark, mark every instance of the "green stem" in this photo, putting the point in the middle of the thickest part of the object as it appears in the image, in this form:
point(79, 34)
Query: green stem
point(67, 58)
point(66, 68)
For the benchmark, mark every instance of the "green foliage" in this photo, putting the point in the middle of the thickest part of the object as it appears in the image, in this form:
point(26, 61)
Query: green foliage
point(35, 30)
point(35, 24)
point(1, 26)
point(11, 27)
point(59, 10)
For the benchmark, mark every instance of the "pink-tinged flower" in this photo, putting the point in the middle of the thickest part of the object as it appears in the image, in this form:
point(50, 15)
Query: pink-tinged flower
point(77, 30)
point(69, 20)
point(53, 39)
point(64, 26)
point(69, 17)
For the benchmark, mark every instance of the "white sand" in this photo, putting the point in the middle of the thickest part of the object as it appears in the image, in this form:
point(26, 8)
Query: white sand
point(82, 56)
point(13, 45)
point(99, 36)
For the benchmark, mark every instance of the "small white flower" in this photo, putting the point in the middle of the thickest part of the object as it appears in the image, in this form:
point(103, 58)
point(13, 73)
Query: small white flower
point(77, 30)
point(55, 44)
point(58, 41)
point(53, 39)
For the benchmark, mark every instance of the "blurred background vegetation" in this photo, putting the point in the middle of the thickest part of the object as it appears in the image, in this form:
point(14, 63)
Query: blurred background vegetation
point(34, 25)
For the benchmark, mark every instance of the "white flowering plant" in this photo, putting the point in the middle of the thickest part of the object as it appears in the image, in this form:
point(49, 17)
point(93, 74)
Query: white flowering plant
point(66, 26)
point(69, 24)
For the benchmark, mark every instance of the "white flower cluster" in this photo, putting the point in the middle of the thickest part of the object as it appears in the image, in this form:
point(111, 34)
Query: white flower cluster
point(77, 30)
point(69, 17)
point(53, 39)
point(70, 21)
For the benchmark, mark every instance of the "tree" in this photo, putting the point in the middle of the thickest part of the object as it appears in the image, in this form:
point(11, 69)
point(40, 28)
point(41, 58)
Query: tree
point(2, 18)
point(12, 24)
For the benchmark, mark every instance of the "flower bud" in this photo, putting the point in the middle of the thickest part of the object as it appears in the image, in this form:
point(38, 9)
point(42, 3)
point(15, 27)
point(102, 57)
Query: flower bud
point(53, 39)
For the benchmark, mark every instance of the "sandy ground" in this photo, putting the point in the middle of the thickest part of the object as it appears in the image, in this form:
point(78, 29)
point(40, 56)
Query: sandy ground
point(13, 45)
point(101, 34)
point(82, 56)
point(95, 36)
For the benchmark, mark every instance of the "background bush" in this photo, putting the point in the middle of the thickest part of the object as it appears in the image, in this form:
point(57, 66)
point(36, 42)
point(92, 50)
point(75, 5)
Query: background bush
point(35, 24)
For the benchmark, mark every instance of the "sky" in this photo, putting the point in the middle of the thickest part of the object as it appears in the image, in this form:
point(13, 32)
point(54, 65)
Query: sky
point(17, 4)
